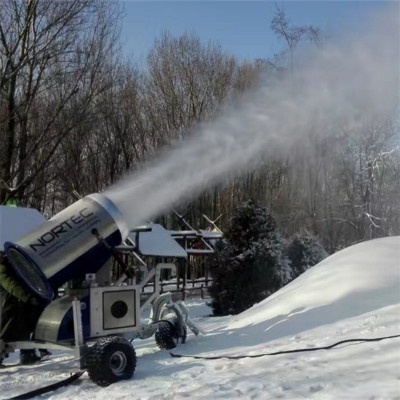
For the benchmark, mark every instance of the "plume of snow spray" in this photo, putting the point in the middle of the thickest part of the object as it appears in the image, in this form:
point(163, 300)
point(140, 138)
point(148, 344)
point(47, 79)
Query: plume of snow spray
point(342, 84)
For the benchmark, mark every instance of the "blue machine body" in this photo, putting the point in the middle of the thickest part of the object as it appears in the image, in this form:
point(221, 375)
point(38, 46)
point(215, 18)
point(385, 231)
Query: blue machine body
point(67, 246)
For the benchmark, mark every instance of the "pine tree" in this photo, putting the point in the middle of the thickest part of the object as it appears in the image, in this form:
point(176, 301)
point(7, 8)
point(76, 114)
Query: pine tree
point(251, 265)
point(304, 251)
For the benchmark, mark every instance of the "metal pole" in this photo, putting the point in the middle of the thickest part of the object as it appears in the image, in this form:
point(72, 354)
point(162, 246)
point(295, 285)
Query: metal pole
point(1, 340)
point(78, 332)
point(184, 265)
point(1, 309)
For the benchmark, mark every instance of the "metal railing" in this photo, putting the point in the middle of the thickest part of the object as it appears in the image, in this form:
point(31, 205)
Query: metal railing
point(188, 290)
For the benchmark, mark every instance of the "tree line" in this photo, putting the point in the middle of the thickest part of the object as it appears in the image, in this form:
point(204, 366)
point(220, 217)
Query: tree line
point(75, 116)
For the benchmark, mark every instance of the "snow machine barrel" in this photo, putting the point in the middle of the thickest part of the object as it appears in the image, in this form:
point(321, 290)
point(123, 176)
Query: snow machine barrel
point(67, 246)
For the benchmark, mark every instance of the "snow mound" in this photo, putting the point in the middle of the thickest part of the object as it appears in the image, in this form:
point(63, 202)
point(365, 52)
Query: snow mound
point(351, 282)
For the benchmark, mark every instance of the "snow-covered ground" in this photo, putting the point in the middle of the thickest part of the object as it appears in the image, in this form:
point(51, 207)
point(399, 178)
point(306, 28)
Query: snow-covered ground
point(352, 294)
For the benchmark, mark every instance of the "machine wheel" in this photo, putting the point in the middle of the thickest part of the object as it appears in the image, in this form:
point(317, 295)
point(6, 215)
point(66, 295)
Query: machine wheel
point(167, 335)
point(111, 359)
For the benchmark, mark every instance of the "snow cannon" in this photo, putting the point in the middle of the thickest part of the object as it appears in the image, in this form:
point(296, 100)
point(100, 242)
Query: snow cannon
point(108, 284)
point(75, 242)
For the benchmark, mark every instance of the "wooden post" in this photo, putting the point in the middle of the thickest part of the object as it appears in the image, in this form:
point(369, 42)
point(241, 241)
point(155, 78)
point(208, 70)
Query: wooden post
point(184, 279)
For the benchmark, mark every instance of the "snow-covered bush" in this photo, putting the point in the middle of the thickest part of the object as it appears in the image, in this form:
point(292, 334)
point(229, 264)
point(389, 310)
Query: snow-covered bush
point(304, 251)
point(251, 265)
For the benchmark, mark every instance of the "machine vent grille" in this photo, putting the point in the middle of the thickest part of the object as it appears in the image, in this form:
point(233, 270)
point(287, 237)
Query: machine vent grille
point(28, 271)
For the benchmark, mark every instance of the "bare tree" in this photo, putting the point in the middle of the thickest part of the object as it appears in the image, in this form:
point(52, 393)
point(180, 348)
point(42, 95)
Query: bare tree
point(369, 171)
point(50, 56)
point(291, 34)
point(187, 81)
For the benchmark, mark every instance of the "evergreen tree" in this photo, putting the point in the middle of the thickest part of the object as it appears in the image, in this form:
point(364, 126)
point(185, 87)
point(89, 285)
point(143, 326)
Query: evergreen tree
point(251, 265)
point(304, 251)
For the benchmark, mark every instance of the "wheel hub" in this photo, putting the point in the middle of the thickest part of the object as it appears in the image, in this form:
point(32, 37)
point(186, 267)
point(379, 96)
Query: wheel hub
point(118, 362)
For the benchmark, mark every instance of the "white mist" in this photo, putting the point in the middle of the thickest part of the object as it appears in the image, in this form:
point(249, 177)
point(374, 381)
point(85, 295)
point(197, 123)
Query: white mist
point(345, 84)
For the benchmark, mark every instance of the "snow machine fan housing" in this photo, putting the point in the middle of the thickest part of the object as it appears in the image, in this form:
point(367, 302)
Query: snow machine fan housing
point(65, 247)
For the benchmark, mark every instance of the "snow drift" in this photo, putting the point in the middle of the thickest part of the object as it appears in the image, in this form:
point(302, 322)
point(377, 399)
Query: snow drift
point(351, 282)
point(354, 281)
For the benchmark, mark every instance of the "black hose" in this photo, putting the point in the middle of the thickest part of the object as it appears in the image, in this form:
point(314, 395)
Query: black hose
point(46, 389)
point(281, 352)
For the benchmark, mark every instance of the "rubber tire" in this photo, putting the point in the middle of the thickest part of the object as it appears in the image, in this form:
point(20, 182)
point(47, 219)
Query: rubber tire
point(98, 361)
point(167, 336)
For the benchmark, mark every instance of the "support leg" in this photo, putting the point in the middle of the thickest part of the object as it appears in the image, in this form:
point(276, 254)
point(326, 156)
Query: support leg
point(78, 332)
